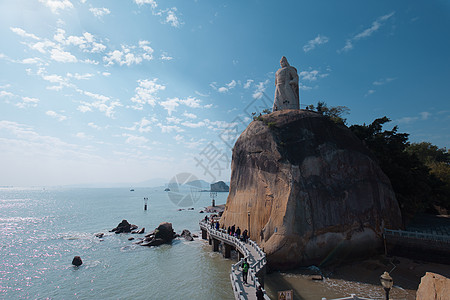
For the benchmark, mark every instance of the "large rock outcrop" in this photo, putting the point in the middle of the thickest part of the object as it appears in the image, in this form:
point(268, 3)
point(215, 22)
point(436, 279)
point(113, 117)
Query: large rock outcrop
point(433, 287)
point(308, 190)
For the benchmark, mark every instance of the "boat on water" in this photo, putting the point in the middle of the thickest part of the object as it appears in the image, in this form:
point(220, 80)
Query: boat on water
point(131, 190)
point(167, 190)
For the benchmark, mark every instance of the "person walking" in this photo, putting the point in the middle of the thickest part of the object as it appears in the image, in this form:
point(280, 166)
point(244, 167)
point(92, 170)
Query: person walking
point(259, 293)
point(245, 267)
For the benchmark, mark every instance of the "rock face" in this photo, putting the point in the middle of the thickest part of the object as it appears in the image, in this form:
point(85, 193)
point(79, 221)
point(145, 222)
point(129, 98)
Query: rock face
point(164, 234)
point(313, 192)
point(219, 186)
point(433, 287)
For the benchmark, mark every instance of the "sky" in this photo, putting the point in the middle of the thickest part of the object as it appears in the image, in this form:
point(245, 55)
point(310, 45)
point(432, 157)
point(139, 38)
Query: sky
point(99, 91)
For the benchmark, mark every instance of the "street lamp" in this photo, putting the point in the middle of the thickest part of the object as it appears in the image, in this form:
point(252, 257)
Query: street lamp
point(212, 195)
point(386, 282)
point(248, 222)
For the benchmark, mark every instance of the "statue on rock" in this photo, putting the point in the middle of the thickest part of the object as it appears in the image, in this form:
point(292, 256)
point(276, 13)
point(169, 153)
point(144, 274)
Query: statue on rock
point(286, 87)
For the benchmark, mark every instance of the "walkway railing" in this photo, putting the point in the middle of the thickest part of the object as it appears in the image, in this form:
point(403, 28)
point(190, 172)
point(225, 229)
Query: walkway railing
point(418, 235)
point(256, 263)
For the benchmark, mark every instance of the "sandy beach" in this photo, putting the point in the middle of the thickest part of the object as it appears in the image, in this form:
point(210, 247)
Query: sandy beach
point(359, 277)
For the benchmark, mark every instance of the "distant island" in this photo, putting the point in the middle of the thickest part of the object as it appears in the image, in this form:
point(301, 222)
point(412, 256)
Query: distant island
point(219, 186)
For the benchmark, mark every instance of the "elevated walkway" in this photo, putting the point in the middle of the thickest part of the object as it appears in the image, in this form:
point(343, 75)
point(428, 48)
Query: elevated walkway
point(250, 250)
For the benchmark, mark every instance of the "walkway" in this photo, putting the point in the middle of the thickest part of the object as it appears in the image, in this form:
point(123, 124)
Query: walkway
point(250, 250)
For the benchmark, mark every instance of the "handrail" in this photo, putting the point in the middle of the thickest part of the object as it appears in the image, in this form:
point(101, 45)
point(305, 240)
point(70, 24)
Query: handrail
point(418, 235)
point(236, 283)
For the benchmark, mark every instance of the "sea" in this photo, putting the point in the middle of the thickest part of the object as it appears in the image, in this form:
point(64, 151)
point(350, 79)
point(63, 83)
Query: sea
point(42, 229)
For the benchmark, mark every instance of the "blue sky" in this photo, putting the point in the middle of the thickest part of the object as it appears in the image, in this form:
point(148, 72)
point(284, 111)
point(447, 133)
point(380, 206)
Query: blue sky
point(124, 91)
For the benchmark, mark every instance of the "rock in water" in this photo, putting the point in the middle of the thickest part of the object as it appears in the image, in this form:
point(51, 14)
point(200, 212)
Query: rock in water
point(433, 287)
point(164, 234)
point(123, 226)
point(186, 234)
point(76, 261)
point(314, 192)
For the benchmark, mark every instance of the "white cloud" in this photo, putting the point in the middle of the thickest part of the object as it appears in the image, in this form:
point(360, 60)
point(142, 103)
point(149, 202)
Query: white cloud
point(170, 17)
point(83, 136)
point(56, 5)
point(92, 125)
point(174, 120)
point(248, 83)
point(127, 57)
point(311, 45)
point(23, 33)
point(6, 94)
point(425, 115)
point(62, 56)
point(55, 115)
point(99, 12)
point(365, 33)
point(191, 102)
point(164, 56)
point(169, 128)
point(170, 104)
point(225, 88)
point(135, 140)
point(77, 76)
point(146, 93)
point(407, 120)
point(152, 3)
point(189, 115)
point(369, 92)
point(102, 103)
point(383, 81)
point(260, 89)
point(28, 102)
point(194, 125)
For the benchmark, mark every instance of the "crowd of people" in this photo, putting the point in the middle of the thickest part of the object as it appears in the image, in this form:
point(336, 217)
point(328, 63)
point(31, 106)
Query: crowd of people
point(231, 230)
point(244, 236)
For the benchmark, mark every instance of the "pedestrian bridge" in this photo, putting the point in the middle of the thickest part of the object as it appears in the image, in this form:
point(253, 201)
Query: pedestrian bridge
point(250, 250)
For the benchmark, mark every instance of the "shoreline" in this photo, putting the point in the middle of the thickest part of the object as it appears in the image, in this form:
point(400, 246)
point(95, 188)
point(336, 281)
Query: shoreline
point(358, 277)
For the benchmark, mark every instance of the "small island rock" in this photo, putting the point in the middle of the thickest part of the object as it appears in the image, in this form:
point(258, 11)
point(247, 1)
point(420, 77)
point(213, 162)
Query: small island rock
point(76, 261)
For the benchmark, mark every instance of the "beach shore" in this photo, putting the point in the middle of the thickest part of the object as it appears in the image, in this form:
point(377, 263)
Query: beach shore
point(359, 277)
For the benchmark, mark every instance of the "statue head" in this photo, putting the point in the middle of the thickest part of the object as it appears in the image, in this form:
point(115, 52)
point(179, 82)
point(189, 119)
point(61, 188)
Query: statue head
point(283, 62)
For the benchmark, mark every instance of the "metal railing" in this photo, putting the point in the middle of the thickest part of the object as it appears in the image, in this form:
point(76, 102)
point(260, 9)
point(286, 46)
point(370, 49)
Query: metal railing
point(258, 264)
point(418, 235)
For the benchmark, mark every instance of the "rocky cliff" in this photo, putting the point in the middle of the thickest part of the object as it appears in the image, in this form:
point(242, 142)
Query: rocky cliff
point(308, 190)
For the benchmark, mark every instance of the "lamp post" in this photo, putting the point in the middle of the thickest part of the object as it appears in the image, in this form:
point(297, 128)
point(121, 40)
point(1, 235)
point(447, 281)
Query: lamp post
point(248, 222)
point(145, 203)
point(386, 282)
point(212, 195)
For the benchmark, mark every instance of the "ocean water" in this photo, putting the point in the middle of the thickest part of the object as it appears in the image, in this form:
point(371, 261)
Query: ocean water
point(41, 230)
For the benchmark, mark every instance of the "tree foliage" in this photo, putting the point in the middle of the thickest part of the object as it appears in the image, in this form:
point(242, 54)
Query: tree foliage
point(416, 188)
point(335, 113)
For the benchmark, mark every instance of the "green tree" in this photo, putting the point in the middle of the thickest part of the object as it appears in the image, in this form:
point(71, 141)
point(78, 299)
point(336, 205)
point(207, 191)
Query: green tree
point(411, 180)
point(335, 113)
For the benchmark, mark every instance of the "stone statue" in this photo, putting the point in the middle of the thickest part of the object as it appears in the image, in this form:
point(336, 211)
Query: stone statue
point(286, 87)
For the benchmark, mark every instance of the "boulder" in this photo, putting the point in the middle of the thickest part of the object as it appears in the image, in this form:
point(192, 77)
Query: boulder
point(186, 234)
point(76, 261)
point(123, 226)
point(433, 287)
point(310, 190)
point(164, 234)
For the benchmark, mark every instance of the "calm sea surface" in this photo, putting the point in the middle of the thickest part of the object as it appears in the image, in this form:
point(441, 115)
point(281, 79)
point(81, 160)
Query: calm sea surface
point(42, 230)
